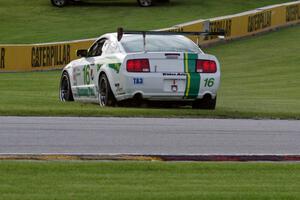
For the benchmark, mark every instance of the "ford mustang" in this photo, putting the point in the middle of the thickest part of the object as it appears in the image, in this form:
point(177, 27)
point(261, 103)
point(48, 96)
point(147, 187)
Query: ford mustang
point(143, 66)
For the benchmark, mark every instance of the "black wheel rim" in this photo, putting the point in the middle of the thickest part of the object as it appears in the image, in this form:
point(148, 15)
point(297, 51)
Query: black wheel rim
point(64, 91)
point(145, 3)
point(59, 2)
point(103, 92)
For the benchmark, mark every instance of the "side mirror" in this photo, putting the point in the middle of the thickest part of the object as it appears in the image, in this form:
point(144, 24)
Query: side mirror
point(82, 53)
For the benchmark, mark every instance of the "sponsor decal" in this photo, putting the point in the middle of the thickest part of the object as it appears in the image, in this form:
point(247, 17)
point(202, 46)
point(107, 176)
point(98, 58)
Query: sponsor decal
point(193, 79)
point(293, 13)
point(138, 81)
point(174, 74)
point(74, 76)
point(259, 21)
point(86, 92)
point(76, 73)
point(49, 56)
point(215, 26)
point(115, 66)
point(119, 89)
point(2, 58)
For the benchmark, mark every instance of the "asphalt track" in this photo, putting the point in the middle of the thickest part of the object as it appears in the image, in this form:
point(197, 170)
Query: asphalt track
point(55, 135)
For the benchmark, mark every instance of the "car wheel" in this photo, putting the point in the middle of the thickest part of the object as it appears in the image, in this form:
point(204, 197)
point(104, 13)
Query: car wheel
point(65, 91)
point(59, 3)
point(145, 3)
point(206, 103)
point(105, 95)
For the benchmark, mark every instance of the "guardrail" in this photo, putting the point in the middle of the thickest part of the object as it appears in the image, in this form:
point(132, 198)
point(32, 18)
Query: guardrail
point(49, 56)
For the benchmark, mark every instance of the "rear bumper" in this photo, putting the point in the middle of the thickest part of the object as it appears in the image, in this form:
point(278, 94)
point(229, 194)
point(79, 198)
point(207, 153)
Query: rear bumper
point(166, 86)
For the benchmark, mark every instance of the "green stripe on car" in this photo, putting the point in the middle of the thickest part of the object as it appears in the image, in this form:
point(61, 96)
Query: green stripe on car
point(86, 92)
point(193, 78)
point(115, 66)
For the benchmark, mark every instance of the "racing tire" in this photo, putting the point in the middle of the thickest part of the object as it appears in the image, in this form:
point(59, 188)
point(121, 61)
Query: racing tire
point(145, 3)
point(59, 3)
point(206, 103)
point(105, 95)
point(65, 91)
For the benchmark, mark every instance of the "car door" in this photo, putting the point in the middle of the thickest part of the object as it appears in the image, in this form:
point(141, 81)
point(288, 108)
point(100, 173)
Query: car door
point(86, 84)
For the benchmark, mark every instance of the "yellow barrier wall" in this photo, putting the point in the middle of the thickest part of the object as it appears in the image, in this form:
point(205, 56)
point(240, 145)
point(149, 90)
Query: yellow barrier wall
point(55, 55)
point(39, 57)
point(247, 23)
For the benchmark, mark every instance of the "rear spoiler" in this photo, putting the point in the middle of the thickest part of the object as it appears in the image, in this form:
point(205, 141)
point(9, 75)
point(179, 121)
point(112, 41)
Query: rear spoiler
point(122, 32)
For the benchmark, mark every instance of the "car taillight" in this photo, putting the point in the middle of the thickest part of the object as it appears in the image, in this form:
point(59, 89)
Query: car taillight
point(206, 66)
point(138, 65)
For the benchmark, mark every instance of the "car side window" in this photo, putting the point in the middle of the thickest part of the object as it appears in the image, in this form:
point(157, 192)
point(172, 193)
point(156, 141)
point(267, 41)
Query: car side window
point(110, 47)
point(96, 49)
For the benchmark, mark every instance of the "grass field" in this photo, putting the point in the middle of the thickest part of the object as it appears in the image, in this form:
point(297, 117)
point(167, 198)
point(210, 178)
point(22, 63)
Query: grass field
point(32, 21)
point(140, 180)
point(260, 79)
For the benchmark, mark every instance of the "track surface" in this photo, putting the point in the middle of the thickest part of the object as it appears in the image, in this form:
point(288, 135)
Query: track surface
point(148, 136)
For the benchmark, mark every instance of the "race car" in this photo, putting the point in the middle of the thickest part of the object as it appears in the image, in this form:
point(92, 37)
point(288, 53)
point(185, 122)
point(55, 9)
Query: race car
point(143, 66)
point(142, 3)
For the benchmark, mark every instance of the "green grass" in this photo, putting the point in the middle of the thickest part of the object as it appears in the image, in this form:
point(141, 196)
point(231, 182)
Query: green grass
point(261, 75)
point(144, 180)
point(260, 79)
point(32, 21)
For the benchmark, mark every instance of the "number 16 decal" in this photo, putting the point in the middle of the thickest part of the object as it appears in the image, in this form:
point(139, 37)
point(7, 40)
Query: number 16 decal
point(209, 82)
point(86, 75)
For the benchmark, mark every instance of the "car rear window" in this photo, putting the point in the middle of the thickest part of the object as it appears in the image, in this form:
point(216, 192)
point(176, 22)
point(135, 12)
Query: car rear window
point(158, 43)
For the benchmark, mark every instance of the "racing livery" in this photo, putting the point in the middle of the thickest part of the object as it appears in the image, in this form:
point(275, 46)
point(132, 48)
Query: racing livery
point(164, 68)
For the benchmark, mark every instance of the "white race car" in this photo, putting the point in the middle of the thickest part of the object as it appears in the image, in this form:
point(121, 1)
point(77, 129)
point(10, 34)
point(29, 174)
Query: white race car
point(142, 66)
